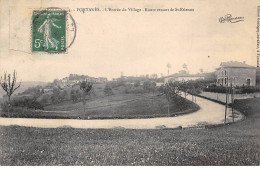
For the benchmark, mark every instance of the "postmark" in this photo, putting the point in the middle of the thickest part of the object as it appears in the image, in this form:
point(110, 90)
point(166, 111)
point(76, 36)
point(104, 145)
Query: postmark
point(53, 30)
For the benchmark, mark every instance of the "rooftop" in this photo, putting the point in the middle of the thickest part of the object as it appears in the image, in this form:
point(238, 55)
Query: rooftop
point(235, 64)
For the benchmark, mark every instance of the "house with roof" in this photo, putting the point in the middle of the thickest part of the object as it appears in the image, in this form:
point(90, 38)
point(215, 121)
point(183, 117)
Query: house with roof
point(237, 73)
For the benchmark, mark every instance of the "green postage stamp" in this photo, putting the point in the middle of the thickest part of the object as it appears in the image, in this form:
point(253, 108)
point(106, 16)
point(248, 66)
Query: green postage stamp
point(49, 31)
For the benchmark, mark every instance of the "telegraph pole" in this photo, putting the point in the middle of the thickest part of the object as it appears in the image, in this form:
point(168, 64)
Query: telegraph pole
point(226, 102)
point(232, 101)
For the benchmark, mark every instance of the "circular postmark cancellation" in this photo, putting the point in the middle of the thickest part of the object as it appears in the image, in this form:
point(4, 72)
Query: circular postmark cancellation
point(53, 30)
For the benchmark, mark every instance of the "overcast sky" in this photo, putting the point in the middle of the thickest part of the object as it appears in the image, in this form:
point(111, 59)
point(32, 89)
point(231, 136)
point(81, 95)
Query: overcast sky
point(130, 42)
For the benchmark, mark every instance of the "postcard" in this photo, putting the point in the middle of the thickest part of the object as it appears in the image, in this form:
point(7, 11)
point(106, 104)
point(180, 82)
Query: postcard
point(129, 82)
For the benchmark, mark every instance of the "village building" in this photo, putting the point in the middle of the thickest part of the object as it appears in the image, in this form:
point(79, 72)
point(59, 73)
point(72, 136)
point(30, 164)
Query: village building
point(237, 73)
point(101, 80)
point(183, 77)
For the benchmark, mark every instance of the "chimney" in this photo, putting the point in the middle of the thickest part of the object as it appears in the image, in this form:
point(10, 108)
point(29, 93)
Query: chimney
point(244, 62)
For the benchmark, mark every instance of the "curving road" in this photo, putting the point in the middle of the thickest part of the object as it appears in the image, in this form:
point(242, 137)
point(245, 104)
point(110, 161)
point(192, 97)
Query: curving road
point(209, 113)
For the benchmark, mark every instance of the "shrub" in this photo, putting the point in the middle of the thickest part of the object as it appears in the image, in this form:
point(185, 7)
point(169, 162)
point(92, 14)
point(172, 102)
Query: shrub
point(108, 90)
point(238, 90)
point(22, 103)
point(216, 89)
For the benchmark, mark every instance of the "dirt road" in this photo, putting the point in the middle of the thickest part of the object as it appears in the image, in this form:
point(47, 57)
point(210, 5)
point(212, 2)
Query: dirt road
point(209, 113)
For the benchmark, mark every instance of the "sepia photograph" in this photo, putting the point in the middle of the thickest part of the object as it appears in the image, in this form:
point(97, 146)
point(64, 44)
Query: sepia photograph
point(129, 83)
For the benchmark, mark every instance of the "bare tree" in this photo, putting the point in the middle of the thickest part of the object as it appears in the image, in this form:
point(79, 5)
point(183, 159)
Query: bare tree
point(86, 87)
point(8, 83)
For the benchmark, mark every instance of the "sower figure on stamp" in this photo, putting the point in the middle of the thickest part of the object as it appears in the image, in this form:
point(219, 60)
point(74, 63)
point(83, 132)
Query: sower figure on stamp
point(49, 41)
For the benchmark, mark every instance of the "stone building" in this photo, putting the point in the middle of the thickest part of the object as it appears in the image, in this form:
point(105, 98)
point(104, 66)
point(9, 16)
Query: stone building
point(237, 73)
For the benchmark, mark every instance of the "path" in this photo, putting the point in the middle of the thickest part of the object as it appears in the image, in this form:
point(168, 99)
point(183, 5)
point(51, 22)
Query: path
point(209, 113)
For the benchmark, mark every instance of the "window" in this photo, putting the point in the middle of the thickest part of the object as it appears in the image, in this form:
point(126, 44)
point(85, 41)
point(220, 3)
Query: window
point(248, 82)
point(225, 81)
point(225, 72)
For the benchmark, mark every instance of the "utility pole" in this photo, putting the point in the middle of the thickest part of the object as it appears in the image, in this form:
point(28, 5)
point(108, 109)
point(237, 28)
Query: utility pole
point(232, 101)
point(226, 102)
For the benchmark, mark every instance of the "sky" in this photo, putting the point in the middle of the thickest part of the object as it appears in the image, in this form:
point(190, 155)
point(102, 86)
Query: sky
point(135, 43)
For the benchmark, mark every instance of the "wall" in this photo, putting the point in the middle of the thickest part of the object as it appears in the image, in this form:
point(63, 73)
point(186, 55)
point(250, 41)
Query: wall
point(238, 76)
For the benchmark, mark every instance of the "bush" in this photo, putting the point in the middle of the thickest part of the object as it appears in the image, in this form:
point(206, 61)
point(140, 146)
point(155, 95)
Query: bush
point(238, 90)
point(149, 86)
point(22, 103)
point(216, 89)
point(4, 106)
point(108, 90)
point(250, 89)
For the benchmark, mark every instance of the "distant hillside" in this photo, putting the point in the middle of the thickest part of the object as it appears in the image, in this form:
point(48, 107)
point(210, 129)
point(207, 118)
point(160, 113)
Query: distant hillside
point(25, 85)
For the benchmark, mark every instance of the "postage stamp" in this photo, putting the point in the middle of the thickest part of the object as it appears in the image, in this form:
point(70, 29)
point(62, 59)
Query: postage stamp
point(49, 31)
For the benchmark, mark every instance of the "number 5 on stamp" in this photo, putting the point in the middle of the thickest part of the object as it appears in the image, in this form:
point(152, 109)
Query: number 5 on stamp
point(49, 31)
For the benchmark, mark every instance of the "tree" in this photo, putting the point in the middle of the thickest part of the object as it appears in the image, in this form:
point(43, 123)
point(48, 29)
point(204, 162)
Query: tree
point(168, 66)
point(8, 84)
point(78, 94)
point(63, 95)
point(86, 87)
point(55, 97)
point(185, 68)
point(171, 91)
point(185, 87)
point(56, 82)
point(201, 70)
point(73, 95)
point(192, 87)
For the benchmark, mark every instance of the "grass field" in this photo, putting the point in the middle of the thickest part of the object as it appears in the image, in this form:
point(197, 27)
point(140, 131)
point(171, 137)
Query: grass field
point(116, 106)
point(236, 144)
